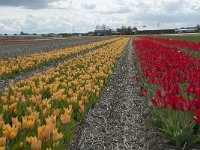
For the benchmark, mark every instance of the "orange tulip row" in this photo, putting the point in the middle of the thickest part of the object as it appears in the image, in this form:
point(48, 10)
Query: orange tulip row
point(15, 65)
point(40, 112)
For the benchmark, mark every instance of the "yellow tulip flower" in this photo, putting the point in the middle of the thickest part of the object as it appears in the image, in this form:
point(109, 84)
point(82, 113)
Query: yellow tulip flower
point(9, 132)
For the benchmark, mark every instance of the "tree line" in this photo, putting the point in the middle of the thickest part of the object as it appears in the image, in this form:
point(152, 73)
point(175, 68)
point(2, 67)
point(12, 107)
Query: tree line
point(198, 28)
point(127, 30)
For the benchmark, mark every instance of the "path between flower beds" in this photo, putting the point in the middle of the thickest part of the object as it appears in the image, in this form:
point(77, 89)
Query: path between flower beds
point(117, 121)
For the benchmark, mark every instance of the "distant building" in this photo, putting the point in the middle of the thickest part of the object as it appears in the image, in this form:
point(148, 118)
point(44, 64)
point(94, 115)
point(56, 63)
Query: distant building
point(115, 33)
point(52, 35)
point(90, 33)
point(168, 31)
point(103, 32)
point(186, 30)
point(157, 31)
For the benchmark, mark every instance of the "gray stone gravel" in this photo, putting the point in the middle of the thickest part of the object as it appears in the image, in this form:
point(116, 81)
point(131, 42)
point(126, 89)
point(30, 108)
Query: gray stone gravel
point(117, 120)
point(25, 48)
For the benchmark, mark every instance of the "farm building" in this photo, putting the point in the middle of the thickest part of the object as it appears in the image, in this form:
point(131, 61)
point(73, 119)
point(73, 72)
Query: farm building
point(167, 31)
point(102, 32)
point(186, 30)
point(157, 31)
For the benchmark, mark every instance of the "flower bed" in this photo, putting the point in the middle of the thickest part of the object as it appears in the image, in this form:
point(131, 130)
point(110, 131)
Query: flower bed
point(15, 65)
point(41, 112)
point(169, 79)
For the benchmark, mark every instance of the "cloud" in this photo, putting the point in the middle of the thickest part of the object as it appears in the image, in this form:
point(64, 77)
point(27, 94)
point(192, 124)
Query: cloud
point(6, 29)
point(28, 4)
point(120, 10)
point(173, 20)
point(45, 16)
point(166, 17)
point(88, 6)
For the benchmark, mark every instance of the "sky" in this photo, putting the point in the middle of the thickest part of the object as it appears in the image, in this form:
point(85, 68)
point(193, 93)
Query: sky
point(67, 16)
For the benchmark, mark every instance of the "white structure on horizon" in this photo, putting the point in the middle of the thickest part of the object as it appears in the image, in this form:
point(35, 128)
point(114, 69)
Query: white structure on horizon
point(186, 30)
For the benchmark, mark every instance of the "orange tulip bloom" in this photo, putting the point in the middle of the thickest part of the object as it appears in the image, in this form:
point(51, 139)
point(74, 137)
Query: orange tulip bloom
point(10, 132)
point(2, 141)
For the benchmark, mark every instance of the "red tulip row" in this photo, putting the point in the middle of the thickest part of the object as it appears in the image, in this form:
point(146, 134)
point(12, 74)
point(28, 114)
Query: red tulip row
point(191, 46)
point(175, 74)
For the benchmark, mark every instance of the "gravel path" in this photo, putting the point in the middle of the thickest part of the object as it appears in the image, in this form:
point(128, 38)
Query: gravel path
point(5, 82)
point(20, 49)
point(117, 121)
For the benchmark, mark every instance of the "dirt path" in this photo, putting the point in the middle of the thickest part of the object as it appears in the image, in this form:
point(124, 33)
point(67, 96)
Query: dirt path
point(117, 121)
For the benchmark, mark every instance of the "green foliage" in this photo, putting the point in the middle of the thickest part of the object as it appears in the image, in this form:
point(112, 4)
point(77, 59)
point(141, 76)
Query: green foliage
point(127, 30)
point(198, 28)
point(176, 125)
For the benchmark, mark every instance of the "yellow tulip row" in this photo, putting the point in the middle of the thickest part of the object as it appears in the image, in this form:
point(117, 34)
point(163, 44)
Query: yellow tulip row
point(39, 112)
point(15, 65)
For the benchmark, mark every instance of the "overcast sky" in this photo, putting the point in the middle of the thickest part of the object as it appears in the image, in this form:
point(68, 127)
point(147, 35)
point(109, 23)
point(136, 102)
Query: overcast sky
point(45, 16)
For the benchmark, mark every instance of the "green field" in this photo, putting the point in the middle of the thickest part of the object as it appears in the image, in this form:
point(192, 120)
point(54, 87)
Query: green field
point(187, 37)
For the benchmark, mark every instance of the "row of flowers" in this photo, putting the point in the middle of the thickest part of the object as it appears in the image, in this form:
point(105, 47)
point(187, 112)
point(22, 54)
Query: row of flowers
point(191, 46)
point(169, 79)
point(15, 65)
point(41, 112)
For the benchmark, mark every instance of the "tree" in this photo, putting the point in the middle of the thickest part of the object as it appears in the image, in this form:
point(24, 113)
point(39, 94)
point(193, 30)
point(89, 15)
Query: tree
point(119, 30)
point(107, 28)
point(198, 28)
point(129, 30)
point(135, 30)
point(98, 27)
point(21, 33)
point(125, 30)
point(103, 27)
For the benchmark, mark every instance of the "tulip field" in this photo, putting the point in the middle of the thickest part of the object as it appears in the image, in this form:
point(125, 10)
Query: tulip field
point(41, 112)
point(169, 79)
point(15, 65)
point(100, 94)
